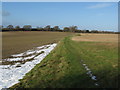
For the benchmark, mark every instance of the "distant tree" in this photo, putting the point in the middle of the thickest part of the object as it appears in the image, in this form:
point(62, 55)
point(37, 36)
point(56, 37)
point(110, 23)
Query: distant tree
point(94, 31)
point(1, 27)
point(27, 27)
point(40, 28)
point(79, 31)
point(87, 31)
point(37, 27)
point(66, 29)
point(47, 28)
point(56, 28)
point(10, 27)
point(17, 27)
point(73, 28)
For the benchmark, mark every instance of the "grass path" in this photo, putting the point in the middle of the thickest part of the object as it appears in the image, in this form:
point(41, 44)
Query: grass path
point(62, 67)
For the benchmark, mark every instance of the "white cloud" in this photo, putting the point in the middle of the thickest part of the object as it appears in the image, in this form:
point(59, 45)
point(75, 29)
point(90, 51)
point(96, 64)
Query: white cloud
point(99, 6)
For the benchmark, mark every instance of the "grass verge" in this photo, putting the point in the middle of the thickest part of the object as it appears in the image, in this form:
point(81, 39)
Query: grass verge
point(62, 67)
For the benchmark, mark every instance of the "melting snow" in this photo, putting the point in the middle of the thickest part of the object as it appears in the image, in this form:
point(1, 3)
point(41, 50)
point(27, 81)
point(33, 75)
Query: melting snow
point(16, 55)
point(89, 72)
point(14, 59)
point(10, 74)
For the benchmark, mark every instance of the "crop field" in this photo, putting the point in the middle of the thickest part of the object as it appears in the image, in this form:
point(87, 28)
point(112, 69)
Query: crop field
point(17, 42)
point(81, 61)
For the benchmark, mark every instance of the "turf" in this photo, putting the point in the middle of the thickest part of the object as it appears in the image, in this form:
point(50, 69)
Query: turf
point(62, 67)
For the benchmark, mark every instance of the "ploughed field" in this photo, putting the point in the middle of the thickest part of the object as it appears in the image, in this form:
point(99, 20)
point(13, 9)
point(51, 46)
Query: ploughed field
point(16, 66)
point(22, 51)
point(18, 42)
point(81, 61)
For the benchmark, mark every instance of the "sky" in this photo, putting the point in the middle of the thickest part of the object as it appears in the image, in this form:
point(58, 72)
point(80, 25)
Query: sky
point(85, 15)
point(60, 0)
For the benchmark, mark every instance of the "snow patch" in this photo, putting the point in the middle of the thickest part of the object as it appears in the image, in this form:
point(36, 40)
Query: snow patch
point(10, 74)
point(89, 72)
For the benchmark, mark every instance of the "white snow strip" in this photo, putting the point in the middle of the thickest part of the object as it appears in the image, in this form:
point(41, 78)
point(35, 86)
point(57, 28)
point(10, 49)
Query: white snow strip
point(10, 74)
point(43, 46)
point(14, 59)
point(30, 52)
point(89, 72)
point(17, 55)
point(30, 57)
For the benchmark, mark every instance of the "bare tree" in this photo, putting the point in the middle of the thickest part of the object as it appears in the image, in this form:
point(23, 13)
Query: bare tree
point(56, 28)
point(47, 28)
point(17, 27)
point(66, 29)
point(39, 28)
point(73, 28)
point(10, 27)
point(1, 27)
point(27, 27)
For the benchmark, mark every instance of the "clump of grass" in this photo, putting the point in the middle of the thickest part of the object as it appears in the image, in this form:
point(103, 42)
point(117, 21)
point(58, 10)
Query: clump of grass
point(78, 34)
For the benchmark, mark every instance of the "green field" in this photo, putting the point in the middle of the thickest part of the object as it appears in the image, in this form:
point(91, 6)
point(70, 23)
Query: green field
point(62, 68)
point(20, 41)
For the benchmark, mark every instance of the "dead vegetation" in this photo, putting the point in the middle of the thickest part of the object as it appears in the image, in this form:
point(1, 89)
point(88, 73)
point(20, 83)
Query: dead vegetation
point(97, 37)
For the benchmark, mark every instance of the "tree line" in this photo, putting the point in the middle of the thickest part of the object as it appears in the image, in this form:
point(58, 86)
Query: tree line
point(49, 28)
